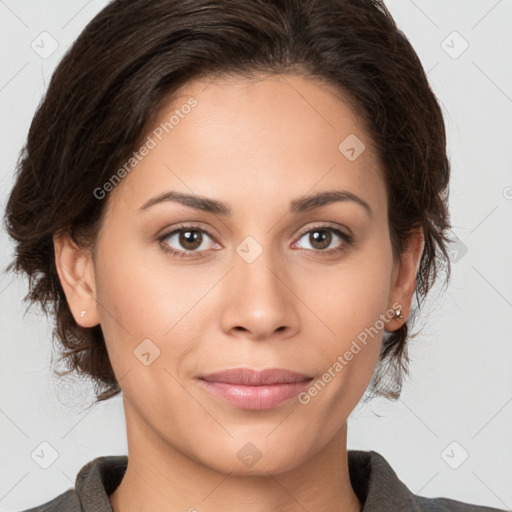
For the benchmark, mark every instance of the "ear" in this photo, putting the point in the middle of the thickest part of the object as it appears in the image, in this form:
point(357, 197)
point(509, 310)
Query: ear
point(76, 274)
point(403, 281)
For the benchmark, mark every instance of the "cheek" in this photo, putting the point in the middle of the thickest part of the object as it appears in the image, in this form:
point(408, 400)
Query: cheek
point(143, 292)
point(350, 297)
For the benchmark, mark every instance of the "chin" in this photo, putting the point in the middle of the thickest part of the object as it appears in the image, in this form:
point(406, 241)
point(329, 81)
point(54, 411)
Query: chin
point(258, 458)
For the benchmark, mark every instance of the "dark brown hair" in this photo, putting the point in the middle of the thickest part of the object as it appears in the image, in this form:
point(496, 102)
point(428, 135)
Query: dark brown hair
point(135, 54)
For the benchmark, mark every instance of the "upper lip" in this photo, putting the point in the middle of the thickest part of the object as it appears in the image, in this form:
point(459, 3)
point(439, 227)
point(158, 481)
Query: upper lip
point(251, 377)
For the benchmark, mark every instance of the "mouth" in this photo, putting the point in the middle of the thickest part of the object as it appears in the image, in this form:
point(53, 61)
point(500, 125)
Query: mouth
point(255, 389)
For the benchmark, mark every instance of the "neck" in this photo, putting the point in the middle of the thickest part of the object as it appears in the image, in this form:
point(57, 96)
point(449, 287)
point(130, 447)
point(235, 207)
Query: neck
point(159, 477)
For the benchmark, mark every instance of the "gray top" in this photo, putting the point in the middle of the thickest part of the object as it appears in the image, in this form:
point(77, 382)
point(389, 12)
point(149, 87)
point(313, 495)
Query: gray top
point(371, 476)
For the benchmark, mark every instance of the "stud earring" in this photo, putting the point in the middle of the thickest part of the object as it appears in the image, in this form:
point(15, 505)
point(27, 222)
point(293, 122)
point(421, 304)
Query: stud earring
point(398, 314)
point(82, 314)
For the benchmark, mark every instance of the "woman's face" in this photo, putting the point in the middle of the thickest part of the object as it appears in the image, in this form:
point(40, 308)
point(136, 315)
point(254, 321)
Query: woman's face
point(267, 285)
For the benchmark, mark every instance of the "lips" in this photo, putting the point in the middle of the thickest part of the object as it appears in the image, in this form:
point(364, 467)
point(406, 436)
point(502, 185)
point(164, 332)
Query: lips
point(255, 389)
point(250, 377)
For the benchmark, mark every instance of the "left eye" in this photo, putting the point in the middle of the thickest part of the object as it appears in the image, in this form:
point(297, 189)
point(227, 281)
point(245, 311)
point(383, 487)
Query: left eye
point(320, 238)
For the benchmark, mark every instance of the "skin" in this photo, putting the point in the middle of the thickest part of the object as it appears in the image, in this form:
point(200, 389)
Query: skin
point(255, 145)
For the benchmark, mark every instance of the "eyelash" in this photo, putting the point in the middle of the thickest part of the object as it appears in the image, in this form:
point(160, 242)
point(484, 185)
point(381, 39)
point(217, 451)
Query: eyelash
point(348, 239)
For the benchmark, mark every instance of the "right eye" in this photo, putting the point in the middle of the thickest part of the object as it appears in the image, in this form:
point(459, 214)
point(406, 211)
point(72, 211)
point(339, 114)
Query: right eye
point(189, 237)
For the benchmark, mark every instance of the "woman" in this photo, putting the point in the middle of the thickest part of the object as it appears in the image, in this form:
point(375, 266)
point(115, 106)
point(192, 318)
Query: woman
point(230, 205)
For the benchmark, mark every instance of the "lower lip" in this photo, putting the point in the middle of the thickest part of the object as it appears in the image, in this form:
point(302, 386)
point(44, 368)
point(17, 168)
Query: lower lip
point(255, 397)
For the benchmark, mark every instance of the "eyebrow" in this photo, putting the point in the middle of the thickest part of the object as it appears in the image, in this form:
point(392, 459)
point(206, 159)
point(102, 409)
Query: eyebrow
point(300, 205)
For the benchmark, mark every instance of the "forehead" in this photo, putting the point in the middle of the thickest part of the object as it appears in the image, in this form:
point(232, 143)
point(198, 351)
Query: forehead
point(270, 136)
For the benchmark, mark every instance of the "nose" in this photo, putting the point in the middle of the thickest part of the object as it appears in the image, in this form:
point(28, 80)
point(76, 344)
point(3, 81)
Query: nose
point(258, 301)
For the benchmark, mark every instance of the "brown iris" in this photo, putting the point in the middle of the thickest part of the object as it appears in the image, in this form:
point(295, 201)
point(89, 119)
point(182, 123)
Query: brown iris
point(316, 237)
point(190, 239)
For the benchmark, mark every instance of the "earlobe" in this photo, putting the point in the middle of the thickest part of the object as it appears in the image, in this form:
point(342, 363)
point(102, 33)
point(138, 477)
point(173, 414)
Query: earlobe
point(76, 274)
point(404, 278)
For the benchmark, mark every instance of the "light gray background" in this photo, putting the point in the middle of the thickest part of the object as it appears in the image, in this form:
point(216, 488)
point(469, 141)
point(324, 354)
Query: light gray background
point(460, 388)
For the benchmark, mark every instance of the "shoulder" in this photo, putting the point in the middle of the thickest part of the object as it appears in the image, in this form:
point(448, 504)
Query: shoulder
point(93, 484)
point(449, 505)
point(66, 502)
point(380, 490)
